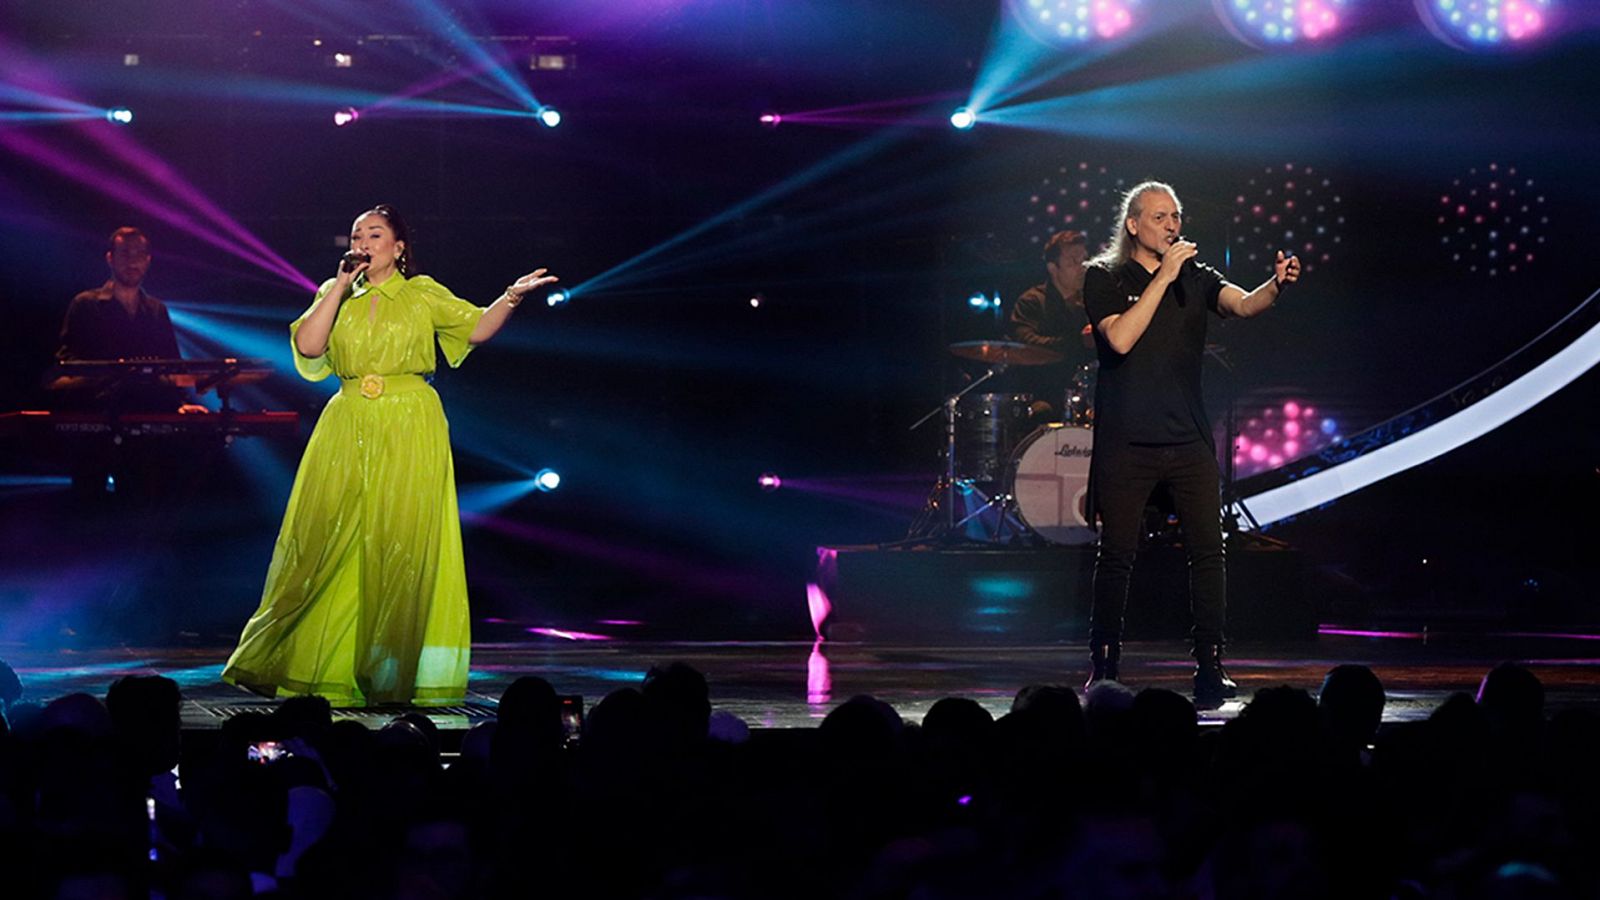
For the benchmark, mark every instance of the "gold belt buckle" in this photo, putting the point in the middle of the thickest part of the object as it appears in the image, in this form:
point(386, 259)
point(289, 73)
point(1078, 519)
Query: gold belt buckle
point(372, 386)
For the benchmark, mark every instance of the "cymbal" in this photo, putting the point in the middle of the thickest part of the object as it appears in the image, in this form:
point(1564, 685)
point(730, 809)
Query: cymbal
point(1005, 353)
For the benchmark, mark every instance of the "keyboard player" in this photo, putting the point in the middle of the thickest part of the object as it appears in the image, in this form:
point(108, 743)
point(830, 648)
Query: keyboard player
point(120, 320)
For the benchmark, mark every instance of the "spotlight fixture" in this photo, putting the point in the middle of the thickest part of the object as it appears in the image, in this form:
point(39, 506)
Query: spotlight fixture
point(981, 302)
point(756, 300)
point(1283, 23)
point(1077, 22)
point(963, 119)
point(549, 115)
point(771, 119)
point(119, 115)
point(342, 60)
point(547, 480)
point(1487, 24)
point(130, 59)
point(345, 116)
point(557, 298)
point(769, 481)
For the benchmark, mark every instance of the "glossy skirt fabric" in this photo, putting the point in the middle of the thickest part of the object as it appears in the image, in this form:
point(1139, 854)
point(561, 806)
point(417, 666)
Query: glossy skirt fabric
point(366, 597)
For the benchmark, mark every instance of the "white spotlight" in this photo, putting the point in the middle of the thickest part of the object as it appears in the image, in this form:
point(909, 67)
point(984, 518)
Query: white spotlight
point(550, 116)
point(547, 480)
point(119, 115)
point(345, 116)
point(557, 298)
point(964, 118)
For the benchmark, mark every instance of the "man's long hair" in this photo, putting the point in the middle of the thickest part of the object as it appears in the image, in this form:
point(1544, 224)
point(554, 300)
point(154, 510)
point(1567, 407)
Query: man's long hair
point(1119, 247)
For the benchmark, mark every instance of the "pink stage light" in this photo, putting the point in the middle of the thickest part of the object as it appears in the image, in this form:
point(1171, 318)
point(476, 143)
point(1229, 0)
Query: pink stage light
point(1277, 433)
point(769, 482)
point(569, 635)
point(1067, 23)
point(1271, 24)
point(1488, 24)
point(165, 194)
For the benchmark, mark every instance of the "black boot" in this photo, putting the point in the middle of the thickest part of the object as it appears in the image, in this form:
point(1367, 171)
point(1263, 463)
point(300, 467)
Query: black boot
point(1103, 659)
point(1212, 685)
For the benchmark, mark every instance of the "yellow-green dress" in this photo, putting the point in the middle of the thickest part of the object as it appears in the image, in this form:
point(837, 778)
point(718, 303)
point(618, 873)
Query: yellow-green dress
point(366, 597)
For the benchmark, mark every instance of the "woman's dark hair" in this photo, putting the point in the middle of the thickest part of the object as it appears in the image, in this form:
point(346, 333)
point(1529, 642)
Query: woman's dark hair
point(407, 261)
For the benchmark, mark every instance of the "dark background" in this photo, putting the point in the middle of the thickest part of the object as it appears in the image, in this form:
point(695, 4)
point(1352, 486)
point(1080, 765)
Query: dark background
point(660, 394)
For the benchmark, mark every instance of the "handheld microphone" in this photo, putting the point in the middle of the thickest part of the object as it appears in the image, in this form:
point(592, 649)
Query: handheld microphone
point(353, 258)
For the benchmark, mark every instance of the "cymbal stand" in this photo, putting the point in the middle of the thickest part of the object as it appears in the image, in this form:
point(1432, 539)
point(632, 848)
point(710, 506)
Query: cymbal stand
point(946, 492)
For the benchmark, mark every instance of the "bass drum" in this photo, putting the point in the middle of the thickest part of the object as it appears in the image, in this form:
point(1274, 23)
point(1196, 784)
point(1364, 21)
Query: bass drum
point(1050, 481)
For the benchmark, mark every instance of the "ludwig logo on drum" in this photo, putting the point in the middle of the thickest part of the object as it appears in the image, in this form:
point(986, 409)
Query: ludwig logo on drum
point(1071, 452)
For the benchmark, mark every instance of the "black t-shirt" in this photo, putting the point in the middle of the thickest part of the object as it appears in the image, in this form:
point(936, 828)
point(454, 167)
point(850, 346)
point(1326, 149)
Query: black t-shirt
point(1044, 318)
point(1151, 394)
point(97, 327)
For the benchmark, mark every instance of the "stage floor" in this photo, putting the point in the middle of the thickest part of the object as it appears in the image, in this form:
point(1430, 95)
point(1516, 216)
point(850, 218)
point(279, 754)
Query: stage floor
point(795, 684)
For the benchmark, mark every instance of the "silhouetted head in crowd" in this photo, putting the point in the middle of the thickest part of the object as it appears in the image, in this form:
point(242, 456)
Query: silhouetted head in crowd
point(77, 712)
point(425, 727)
point(146, 711)
point(1164, 721)
point(679, 701)
point(1351, 705)
point(530, 715)
point(1049, 699)
point(618, 724)
point(306, 717)
point(10, 686)
point(957, 718)
point(1512, 697)
point(861, 729)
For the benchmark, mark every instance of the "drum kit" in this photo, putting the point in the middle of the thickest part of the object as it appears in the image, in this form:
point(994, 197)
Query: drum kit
point(1008, 472)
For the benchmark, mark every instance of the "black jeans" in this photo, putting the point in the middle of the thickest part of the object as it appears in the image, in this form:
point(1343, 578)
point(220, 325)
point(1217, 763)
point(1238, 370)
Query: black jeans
point(1124, 479)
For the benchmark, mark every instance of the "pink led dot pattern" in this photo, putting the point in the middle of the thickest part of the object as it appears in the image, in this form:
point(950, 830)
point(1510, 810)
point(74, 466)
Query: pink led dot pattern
point(1272, 434)
point(1287, 207)
point(1080, 196)
point(1492, 221)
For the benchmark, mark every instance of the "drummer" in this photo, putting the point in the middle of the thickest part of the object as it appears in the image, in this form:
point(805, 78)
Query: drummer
point(1050, 315)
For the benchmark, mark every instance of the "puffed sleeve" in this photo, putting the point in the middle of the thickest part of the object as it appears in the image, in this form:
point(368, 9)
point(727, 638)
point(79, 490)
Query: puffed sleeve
point(311, 368)
point(454, 319)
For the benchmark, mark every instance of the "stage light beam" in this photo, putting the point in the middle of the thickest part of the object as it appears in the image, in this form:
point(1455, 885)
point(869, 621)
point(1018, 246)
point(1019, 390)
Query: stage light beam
point(549, 116)
point(963, 119)
point(547, 480)
point(119, 115)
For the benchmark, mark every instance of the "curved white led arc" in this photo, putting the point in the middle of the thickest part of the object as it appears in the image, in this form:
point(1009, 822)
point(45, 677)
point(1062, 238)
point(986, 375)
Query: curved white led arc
point(1434, 441)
